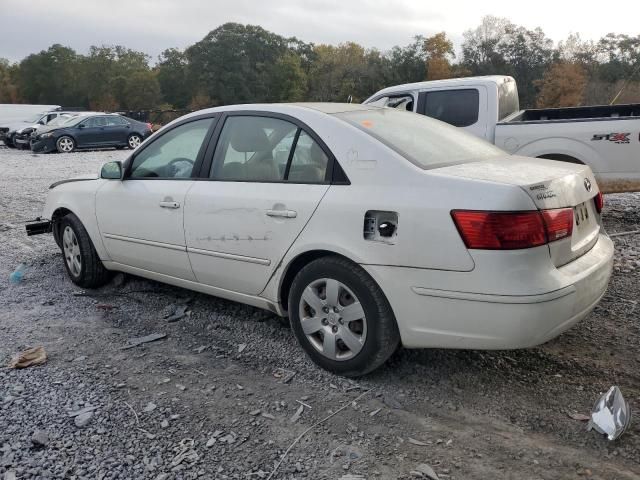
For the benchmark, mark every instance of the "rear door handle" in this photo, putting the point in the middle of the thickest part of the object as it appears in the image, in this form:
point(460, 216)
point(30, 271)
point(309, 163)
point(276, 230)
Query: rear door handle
point(169, 204)
point(282, 213)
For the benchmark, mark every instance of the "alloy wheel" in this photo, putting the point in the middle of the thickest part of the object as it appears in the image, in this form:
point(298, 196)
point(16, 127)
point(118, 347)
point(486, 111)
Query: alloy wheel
point(134, 141)
point(71, 251)
point(65, 144)
point(333, 320)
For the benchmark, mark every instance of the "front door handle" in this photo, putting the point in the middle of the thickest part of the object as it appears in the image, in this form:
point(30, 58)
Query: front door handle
point(282, 213)
point(170, 204)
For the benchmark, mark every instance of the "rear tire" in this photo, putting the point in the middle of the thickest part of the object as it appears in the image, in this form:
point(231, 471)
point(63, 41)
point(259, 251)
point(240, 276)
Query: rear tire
point(346, 341)
point(9, 142)
point(65, 144)
point(134, 140)
point(81, 260)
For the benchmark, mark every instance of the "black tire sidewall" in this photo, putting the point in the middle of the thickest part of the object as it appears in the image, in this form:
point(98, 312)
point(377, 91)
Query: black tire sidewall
point(380, 321)
point(90, 261)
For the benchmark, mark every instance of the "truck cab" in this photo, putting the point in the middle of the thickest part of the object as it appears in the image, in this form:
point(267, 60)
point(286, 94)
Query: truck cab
point(475, 104)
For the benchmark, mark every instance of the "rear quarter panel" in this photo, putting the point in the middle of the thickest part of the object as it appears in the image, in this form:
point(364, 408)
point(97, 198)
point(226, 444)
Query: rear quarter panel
point(610, 147)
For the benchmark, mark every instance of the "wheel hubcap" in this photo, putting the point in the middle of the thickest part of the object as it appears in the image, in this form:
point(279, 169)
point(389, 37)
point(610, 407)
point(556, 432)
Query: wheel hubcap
point(332, 319)
point(71, 251)
point(134, 141)
point(65, 144)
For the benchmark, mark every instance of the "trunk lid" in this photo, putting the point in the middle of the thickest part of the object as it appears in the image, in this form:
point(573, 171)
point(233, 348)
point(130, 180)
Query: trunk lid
point(550, 184)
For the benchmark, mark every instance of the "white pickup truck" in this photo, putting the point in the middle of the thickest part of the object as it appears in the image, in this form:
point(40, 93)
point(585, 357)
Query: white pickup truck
point(606, 138)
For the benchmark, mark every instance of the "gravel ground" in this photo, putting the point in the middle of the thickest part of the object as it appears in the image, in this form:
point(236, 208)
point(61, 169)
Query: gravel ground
point(220, 396)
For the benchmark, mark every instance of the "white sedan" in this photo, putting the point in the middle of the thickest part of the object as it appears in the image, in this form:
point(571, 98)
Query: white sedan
point(368, 227)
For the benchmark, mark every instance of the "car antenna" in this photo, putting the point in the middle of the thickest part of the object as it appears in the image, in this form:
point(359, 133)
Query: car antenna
point(626, 82)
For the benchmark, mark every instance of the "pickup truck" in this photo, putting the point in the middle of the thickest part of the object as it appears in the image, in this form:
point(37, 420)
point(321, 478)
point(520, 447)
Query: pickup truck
point(606, 138)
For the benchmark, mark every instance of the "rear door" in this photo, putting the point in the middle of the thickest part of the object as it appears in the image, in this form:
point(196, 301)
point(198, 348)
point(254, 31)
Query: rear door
point(141, 218)
point(267, 177)
point(116, 130)
point(464, 107)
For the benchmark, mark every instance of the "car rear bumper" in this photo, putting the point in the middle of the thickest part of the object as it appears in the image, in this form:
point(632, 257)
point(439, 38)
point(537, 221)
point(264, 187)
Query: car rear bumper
point(447, 318)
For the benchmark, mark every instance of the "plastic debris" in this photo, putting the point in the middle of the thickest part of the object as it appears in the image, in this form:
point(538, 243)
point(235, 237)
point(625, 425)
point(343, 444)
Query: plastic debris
point(18, 274)
point(178, 313)
point(29, 358)
point(426, 471)
point(611, 414)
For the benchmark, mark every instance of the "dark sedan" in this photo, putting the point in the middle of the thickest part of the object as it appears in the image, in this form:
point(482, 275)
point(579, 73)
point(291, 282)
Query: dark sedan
point(95, 131)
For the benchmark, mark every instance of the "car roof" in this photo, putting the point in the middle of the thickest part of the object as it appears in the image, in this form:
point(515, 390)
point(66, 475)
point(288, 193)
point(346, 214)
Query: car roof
point(480, 80)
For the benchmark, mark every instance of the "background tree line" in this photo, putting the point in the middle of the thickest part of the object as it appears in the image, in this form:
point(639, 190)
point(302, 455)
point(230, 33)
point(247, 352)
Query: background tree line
point(245, 64)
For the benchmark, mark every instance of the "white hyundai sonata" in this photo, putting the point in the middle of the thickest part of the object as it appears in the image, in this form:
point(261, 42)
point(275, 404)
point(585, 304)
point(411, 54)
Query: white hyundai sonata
point(368, 227)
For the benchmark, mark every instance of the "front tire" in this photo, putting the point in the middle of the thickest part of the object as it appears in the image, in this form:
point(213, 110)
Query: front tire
point(341, 317)
point(66, 144)
point(81, 260)
point(134, 141)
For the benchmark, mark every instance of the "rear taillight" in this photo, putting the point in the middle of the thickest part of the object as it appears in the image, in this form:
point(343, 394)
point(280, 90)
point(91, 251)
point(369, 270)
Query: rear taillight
point(512, 230)
point(149, 126)
point(599, 201)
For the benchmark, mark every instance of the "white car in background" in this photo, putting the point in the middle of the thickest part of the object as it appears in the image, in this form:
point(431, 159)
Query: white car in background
point(368, 227)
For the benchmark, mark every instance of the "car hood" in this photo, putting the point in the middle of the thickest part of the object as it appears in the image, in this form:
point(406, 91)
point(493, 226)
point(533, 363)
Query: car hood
point(44, 129)
point(81, 178)
point(16, 125)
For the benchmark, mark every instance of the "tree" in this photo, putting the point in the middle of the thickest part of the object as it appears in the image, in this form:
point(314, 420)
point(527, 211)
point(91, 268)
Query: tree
point(50, 77)
point(234, 63)
point(563, 85)
point(8, 88)
point(173, 77)
point(438, 50)
point(406, 64)
point(289, 81)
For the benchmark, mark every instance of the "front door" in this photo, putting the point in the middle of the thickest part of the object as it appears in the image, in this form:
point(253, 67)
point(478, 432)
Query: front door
point(89, 131)
point(267, 178)
point(141, 218)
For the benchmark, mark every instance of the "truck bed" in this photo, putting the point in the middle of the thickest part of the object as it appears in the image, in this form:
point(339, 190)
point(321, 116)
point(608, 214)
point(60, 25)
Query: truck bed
point(576, 114)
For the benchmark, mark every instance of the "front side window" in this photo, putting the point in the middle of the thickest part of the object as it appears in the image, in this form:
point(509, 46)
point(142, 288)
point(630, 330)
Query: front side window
point(253, 149)
point(421, 140)
point(95, 122)
point(173, 154)
point(459, 108)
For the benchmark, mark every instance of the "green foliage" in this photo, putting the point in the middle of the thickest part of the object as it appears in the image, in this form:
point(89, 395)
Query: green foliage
point(245, 63)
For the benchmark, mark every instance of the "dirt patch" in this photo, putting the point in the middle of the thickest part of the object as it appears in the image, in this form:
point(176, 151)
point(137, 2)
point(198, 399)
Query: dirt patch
point(216, 397)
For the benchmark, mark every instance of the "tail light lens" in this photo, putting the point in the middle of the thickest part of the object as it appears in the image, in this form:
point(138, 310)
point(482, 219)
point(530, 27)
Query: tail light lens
point(599, 201)
point(512, 230)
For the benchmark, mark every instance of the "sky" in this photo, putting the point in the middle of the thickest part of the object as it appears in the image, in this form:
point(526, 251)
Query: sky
point(154, 25)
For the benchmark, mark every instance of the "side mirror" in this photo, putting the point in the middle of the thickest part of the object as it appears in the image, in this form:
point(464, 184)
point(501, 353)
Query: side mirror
point(40, 122)
point(111, 171)
point(81, 125)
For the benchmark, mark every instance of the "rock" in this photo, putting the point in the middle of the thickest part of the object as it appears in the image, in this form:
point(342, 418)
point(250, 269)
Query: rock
point(210, 442)
point(83, 419)
point(254, 413)
point(150, 407)
point(391, 402)
point(40, 438)
point(241, 347)
point(164, 424)
point(10, 475)
point(180, 387)
point(426, 471)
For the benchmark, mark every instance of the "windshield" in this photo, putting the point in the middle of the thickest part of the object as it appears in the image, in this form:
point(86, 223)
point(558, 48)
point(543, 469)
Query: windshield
point(426, 142)
point(34, 118)
point(62, 119)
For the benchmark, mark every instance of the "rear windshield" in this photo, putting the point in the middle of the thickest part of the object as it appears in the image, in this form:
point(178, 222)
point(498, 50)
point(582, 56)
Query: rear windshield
point(507, 98)
point(423, 141)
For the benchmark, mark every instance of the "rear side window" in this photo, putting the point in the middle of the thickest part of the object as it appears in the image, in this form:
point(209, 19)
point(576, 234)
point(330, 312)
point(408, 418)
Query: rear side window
point(115, 121)
point(401, 102)
point(265, 149)
point(421, 140)
point(455, 107)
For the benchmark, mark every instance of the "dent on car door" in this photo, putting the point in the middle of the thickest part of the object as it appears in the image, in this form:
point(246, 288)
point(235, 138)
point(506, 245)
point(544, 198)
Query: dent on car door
point(141, 218)
point(267, 178)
